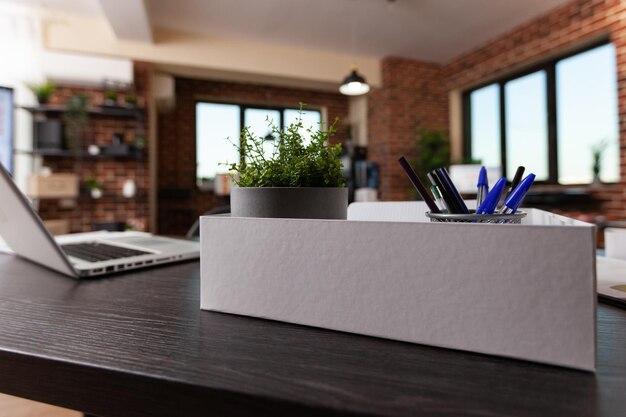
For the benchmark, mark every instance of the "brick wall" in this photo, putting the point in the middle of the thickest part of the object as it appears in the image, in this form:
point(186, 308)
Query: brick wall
point(180, 202)
point(412, 96)
point(83, 212)
point(573, 25)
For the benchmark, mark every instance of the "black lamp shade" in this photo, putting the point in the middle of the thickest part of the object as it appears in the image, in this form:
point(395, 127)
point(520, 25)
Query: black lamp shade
point(354, 84)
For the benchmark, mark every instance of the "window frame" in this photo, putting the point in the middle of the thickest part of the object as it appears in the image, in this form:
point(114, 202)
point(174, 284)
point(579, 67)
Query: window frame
point(243, 106)
point(549, 66)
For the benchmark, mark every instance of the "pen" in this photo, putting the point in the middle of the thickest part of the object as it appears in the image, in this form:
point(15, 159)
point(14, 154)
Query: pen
point(514, 200)
point(418, 185)
point(516, 179)
point(491, 201)
point(454, 193)
point(450, 203)
point(483, 186)
point(440, 203)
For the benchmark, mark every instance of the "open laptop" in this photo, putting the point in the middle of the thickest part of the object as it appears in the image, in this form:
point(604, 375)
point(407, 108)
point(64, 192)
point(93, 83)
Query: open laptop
point(612, 280)
point(25, 233)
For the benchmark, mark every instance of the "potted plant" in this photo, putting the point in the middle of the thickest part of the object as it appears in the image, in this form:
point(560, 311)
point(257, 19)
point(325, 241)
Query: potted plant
point(110, 98)
point(299, 179)
point(433, 151)
point(131, 100)
point(42, 91)
point(596, 154)
point(75, 120)
point(95, 188)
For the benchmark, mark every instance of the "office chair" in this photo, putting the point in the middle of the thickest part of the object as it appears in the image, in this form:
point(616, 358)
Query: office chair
point(194, 231)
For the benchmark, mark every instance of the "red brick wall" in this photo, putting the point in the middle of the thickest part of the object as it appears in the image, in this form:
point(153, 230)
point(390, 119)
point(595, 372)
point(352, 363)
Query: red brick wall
point(180, 202)
point(82, 213)
point(565, 27)
point(413, 95)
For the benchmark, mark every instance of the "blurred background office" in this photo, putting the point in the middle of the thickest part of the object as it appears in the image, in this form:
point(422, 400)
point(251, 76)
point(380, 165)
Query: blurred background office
point(114, 114)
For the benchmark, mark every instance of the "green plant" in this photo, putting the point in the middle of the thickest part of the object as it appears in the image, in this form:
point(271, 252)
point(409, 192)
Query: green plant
point(433, 151)
point(131, 99)
point(110, 95)
point(42, 91)
point(75, 119)
point(293, 163)
point(596, 153)
point(92, 183)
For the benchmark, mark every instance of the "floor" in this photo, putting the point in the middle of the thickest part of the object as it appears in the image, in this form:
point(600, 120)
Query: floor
point(18, 407)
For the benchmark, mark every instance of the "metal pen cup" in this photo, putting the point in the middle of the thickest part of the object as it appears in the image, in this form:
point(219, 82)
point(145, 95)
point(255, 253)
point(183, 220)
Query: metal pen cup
point(515, 218)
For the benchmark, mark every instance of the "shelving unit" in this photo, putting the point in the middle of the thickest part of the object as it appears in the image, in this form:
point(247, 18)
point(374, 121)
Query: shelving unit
point(130, 123)
point(49, 153)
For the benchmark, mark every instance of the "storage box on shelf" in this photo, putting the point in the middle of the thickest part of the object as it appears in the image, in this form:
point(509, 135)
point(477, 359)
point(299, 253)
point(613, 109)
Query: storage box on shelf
point(53, 186)
point(57, 227)
point(522, 291)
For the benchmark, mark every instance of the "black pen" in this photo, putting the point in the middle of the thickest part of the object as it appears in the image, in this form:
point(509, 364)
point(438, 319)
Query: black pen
point(516, 180)
point(445, 178)
point(418, 185)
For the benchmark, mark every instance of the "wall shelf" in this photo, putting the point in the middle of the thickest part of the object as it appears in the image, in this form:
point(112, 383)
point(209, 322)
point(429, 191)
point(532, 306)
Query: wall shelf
point(79, 154)
point(84, 196)
point(114, 198)
point(124, 112)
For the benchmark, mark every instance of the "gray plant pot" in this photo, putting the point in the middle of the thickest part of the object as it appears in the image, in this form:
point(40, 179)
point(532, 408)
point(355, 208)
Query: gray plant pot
point(289, 202)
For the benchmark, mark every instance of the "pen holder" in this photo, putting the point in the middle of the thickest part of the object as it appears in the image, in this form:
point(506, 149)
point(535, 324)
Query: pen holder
point(515, 218)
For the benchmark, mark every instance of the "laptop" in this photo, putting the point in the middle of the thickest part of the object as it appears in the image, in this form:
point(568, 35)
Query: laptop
point(612, 280)
point(24, 232)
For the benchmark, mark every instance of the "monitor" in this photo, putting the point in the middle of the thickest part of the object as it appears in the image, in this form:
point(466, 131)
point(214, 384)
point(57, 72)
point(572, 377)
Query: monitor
point(6, 128)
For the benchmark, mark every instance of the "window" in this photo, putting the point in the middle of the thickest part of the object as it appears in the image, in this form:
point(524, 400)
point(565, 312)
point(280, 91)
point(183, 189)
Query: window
point(586, 93)
point(485, 125)
point(526, 128)
point(549, 119)
point(218, 126)
point(215, 123)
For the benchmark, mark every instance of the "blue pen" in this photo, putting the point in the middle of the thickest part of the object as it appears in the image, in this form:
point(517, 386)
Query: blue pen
point(514, 200)
point(491, 201)
point(483, 187)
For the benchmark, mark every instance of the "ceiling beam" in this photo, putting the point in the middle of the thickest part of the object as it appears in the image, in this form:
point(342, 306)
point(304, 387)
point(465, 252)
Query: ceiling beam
point(129, 19)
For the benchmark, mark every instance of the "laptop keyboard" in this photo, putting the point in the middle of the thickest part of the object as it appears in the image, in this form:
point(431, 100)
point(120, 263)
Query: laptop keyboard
point(96, 252)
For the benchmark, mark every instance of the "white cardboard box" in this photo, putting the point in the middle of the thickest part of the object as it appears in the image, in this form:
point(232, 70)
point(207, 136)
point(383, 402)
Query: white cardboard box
point(521, 291)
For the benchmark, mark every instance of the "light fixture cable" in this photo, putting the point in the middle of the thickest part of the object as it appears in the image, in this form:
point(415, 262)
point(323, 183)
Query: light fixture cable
point(354, 84)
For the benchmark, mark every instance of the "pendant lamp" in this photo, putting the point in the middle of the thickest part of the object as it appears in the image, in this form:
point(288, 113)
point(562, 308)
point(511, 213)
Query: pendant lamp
point(354, 84)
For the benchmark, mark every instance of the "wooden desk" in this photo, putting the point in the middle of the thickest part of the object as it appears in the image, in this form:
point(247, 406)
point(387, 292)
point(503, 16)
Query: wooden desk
point(138, 345)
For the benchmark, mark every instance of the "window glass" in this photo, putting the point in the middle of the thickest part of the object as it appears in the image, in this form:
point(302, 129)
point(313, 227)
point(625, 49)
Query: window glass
point(485, 125)
point(217, 125)
point(526, 124)
point(310, 120)
point(258, 121)
point(586, 88)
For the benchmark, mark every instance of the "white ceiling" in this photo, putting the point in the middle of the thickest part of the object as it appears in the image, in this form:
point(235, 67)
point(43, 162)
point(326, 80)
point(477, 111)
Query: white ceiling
point(429, 30)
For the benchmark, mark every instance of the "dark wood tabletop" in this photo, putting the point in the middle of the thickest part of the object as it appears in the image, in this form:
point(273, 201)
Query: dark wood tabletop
point(138, 344)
